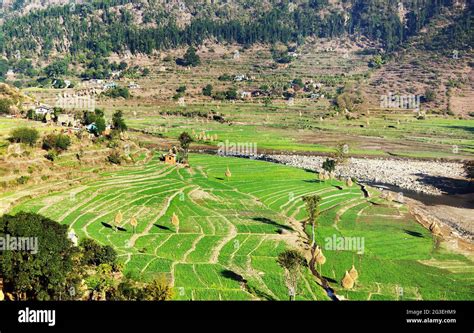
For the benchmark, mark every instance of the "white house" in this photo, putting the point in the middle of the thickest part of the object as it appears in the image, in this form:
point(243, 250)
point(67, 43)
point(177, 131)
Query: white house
point(245, 94)
point(43, 110)
point(133, 85)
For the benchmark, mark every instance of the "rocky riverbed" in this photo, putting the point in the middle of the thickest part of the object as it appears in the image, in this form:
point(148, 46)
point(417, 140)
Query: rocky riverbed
point(429, 177)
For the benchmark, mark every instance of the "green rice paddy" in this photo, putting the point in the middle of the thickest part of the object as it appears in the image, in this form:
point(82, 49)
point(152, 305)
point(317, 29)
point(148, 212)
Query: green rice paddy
point(232, 229)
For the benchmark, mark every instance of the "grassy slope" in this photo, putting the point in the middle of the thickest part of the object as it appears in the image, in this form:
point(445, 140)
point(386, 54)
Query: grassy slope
point(229, 227)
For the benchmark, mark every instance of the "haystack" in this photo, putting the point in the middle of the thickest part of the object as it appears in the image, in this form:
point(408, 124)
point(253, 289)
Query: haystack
point(435, 229)
point(320, 258)
point(353, 273)
point(347, 281)
point(349, 182)
point(118, 218)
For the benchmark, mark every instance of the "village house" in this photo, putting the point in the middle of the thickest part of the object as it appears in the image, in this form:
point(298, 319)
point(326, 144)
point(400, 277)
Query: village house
point(43, 110)
point(109, 85)
point(133, 85)
point(245, 94)
point(240, 77)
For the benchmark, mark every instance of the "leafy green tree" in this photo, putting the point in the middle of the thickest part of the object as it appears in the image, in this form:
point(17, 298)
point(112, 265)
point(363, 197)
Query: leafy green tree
point(24, 135)
point(43, 275)
point(312, 207)
point(329, 165)
point(231, 93)
point(292, 261)
point(100, 125)
point(190, 58)
point(184, 141)
point(5, 105)
point(56, 68)
point(207, 90)
point(118, 123)
point(95, 254)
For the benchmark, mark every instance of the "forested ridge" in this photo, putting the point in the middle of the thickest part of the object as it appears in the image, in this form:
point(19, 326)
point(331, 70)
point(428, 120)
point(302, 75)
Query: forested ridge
point(109, 26)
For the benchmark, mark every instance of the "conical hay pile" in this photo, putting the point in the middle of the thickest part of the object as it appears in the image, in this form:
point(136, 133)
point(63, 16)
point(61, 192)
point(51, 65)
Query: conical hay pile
point(118, 218)
point(175, 220)
point(353, 273)
point(349, 182)
point(347, 281)
point(435, 229)
point(320, 258)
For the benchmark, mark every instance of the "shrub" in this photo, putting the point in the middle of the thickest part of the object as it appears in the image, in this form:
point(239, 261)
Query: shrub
point(51, 155)
point(231, 94)
point(114, 157)
point(117, 92)
point(24, 135)
point(23, 180)
point(207, 90)
point(57, 142)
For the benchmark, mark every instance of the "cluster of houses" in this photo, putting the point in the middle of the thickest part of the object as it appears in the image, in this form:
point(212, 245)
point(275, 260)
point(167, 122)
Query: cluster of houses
point(103, 85)
point(72, 121)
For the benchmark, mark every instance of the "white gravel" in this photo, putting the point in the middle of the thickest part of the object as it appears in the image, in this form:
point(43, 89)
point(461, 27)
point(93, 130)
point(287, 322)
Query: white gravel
point(406, 174)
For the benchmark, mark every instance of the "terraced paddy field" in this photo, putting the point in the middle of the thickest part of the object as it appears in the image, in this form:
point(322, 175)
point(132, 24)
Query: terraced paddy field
point(232, 229)
point(307, 127)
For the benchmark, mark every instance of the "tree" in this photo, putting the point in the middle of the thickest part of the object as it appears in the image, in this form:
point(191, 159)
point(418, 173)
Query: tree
point(100, 125)
point(329, 165)
point(5, 105)
point(95, 254)
point(291, 261)
point(190, 58)
point(41, 275)
point(184, 141)
point(231, 94)
point(56, 68)
point(312, 207)
point(207, 90)
point(118, 122)
point(24, 135)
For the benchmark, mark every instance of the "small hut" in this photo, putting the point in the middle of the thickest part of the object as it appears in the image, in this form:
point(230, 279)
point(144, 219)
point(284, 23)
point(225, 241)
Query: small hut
point(170, 157)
